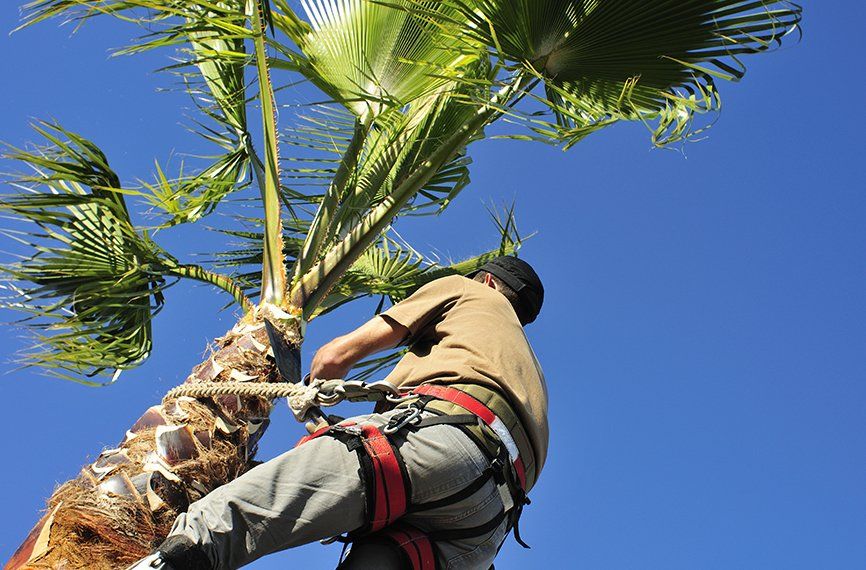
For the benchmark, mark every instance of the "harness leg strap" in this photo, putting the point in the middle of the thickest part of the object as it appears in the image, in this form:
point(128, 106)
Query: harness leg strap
point(382, 470)
point(397, 547)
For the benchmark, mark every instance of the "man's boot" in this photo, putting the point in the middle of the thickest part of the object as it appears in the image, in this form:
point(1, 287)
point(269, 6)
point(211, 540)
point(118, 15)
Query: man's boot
point(176, 553)
point(153, 561)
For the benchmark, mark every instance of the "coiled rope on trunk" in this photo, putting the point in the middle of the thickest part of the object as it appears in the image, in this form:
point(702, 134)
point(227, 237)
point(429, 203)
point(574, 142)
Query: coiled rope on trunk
point(265, 390)
point(301, 397)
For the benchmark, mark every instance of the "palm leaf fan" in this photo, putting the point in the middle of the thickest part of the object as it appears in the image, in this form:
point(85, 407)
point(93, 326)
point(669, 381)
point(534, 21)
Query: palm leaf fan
point(86, 281)
point(371, 56)
point(606, 60)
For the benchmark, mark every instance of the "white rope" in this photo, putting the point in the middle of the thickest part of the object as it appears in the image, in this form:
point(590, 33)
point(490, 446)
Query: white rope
point(302, 397)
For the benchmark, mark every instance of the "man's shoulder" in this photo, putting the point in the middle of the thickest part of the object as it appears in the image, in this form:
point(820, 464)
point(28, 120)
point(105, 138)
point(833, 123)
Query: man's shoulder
point(448, 284)
point(456, 279)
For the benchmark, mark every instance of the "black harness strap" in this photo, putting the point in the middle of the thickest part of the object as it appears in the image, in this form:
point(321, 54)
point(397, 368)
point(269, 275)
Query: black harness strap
point(472, 532)
point(442, 419)
point(464, 493)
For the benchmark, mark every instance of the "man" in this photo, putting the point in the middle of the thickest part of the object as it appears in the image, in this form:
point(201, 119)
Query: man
point(436, 482)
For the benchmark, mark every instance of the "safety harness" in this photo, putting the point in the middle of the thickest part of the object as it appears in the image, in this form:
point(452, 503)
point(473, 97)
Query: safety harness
point(387, 484)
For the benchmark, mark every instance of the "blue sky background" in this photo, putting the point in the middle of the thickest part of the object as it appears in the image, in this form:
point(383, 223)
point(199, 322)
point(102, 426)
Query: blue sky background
point(703, 332)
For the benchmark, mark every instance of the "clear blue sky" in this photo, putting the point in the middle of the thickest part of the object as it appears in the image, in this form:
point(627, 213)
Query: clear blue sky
point(704, 327)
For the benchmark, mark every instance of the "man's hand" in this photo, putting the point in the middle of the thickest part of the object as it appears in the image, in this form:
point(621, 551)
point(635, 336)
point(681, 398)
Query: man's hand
point(336, 358)
point(331, 360)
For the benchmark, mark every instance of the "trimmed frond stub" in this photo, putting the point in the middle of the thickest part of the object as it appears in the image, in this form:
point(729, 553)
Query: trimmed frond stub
point(373, 57)
point(649, 60)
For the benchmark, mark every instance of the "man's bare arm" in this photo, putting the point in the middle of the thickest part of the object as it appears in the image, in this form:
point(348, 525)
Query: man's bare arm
point(336, 358)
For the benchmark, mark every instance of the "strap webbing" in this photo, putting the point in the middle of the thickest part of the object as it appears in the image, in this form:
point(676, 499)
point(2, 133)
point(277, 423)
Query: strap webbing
point(383, 472)
point(472, 532)
point(463, 493)
point(485, 414)
point(415, 545)
point(390, 488)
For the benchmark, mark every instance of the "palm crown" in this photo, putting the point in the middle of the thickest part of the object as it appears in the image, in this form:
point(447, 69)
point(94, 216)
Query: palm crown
point(411, 84)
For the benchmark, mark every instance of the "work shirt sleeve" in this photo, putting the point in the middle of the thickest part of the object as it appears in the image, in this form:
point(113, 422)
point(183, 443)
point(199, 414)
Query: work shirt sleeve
point(427, 305)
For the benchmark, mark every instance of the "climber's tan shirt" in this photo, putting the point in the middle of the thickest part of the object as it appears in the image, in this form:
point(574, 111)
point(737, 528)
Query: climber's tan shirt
point(463, 331)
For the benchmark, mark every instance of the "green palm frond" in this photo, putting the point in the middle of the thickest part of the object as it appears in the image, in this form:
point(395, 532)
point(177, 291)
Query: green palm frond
point(165, 22)
point(85, 283)
point(369, 56)
point(402, 141)
point(400, 157)
point(244, 254)
point(393, 268)
point(187, 198)
point(218, 89)
point(647, 60)
point(211, 41)
point(441, 115)
point(88, 283)
point(319, 138)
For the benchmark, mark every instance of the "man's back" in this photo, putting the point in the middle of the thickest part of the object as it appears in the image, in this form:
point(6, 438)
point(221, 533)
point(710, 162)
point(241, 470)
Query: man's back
point(464, 332)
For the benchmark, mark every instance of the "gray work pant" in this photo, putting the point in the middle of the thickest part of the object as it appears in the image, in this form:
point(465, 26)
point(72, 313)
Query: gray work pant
point(315, 491)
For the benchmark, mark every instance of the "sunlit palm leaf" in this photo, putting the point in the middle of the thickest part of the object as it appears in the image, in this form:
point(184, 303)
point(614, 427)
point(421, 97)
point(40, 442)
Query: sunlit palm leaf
point(219, 91)
point(187, 198)
point(318, 139)
point(605, 60)
point(86, 283)
point(394, 269)
point(400, 157)
point(369, 56)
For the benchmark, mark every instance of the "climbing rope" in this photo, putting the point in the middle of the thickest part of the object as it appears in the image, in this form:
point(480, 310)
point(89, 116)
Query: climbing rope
point(302, 397)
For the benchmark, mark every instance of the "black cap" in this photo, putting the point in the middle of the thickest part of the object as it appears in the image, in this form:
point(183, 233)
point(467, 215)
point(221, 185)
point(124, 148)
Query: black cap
point(520, 276)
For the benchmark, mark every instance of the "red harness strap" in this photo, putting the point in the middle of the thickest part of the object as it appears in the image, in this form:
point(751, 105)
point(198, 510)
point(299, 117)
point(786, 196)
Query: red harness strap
point(485, 414)
point(390, 486)
point(384, 478)
point(414, 544)
point(319, 432)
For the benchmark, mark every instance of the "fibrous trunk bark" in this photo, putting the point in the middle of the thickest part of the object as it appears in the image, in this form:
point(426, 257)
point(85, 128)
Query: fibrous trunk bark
point(123, 504)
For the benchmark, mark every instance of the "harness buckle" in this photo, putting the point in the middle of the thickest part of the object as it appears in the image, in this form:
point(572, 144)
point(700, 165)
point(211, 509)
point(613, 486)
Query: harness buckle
point(401, 420)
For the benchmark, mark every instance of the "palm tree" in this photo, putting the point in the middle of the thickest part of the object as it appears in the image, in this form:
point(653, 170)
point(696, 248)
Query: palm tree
point(411, 84)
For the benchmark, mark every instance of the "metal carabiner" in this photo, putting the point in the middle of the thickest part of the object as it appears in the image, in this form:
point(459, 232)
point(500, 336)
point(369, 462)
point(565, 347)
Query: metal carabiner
point(402, 419)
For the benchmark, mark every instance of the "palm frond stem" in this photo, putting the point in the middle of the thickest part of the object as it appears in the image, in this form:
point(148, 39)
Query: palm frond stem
point(308, 291)
point(321, 225)
point(223, 282)
point(273, 267)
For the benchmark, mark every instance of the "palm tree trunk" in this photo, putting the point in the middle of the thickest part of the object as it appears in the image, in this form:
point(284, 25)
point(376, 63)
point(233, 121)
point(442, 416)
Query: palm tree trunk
point(122, 505)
